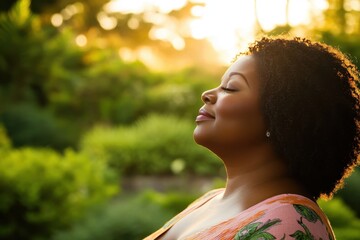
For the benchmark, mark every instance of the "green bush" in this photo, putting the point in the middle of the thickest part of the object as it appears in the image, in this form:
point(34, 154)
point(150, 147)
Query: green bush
point(5, 142)
point(154, 145)
point(129, 218)
point(174, 202)
point(42, 191)
point(27, 125)
point(345, 224)
point(350, 193)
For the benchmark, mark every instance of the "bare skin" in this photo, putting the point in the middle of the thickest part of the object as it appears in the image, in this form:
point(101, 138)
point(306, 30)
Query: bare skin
point(231, 126)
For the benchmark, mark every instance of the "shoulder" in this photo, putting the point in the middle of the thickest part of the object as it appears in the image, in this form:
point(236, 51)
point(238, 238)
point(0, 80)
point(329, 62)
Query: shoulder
point(289, 215)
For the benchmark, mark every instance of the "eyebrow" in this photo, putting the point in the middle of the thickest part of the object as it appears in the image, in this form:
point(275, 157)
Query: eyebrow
point(240, 74)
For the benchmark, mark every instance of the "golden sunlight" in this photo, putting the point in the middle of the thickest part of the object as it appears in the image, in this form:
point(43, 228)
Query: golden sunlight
point(226, 25)
point(229, 24)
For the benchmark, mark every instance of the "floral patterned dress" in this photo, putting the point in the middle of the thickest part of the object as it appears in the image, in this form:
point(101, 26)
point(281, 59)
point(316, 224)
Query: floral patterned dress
point(285, 216)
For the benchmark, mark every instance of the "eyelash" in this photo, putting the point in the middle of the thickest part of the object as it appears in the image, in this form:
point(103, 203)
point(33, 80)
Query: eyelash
point(227, 89)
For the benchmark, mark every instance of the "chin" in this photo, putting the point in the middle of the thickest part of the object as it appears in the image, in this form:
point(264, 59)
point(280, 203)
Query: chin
point(200, 137)
point(196, 136)
point(204, 139)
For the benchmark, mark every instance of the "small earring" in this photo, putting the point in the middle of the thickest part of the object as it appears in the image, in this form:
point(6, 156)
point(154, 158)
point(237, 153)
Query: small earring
point(267, 134)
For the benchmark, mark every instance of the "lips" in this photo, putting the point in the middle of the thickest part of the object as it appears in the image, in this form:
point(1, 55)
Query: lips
point(204, 116)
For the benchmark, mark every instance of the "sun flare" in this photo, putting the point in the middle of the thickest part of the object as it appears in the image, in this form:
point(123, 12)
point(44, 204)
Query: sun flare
point(229, 25)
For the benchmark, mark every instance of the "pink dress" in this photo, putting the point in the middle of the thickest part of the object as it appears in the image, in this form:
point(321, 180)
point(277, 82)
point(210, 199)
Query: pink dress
point(285, 216)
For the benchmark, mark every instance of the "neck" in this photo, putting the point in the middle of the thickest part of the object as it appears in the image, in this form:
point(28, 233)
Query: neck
point(255, 175)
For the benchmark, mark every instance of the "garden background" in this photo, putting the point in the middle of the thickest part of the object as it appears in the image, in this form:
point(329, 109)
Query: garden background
point(97, 109)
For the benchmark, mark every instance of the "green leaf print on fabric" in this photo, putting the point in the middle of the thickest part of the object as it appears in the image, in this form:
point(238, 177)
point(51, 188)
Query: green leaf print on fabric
point(257, 230)
point(299, 235)
point(307, 213)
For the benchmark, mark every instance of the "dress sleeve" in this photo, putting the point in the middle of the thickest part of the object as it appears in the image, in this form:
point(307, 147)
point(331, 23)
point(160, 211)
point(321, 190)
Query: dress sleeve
point(289, 221)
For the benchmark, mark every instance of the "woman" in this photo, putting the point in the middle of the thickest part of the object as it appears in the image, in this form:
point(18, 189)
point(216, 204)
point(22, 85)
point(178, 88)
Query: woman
point(285, 122)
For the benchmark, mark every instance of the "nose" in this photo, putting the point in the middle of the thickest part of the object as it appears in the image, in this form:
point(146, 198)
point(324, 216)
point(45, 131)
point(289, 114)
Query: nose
point(209, 96)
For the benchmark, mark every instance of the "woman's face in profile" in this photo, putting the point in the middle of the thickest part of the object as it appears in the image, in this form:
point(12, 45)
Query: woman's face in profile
point(231, 114)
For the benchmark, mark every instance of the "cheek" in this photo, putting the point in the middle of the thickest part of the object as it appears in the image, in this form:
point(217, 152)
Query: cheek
point(240, 110)
point(242, 117)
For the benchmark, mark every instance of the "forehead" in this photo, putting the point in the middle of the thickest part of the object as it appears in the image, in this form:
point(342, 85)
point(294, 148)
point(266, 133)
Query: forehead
point(245, 65)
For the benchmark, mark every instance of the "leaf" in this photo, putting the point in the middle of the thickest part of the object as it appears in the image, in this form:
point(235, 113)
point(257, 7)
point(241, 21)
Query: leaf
point(251, 231)
point(269, 223)
point(250, 228)
point(299, 235)
point(262, 236)
point(247, 231)
point(307, 213)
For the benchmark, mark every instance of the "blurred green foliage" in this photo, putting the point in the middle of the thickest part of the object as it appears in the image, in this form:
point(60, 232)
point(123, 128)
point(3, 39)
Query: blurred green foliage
point(26, 74)
point(31, 126)
point(4, 139)
point(351, 191)
point(150, 146)
point(343, 219)
point(42, 191)
point(130, 217)
point(174, 202)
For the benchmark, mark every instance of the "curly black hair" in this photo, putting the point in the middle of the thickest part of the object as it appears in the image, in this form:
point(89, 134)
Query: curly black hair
point(310, 104)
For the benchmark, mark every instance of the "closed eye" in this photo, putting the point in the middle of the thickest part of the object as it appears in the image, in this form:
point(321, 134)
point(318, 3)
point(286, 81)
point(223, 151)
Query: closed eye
point(228, 89)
